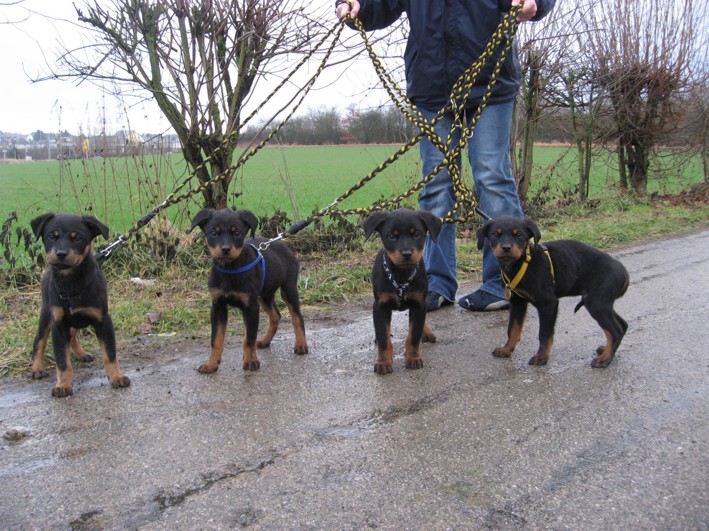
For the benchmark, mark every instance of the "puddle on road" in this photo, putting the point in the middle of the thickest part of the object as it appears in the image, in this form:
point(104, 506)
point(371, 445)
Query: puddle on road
point(25, 467)
point(346, 432)
point(13, 397)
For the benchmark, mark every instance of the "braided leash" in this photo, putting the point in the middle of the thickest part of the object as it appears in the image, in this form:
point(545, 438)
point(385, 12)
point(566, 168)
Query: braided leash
point(174, 198)
point(506, 30)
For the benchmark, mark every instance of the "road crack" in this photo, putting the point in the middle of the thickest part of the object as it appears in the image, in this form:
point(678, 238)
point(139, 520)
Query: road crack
point(166, 500)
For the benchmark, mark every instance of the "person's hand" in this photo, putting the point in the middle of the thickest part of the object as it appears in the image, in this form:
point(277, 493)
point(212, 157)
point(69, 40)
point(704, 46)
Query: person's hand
point(343, 9)
point(529, 9)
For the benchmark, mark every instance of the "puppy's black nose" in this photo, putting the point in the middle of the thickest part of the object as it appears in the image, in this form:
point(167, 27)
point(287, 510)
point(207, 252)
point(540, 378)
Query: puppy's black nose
point(226, 249)
point(506, 247)
point(61, 254)
point(406, 254)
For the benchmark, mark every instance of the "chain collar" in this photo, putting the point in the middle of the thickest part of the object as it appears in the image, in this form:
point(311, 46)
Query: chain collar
point(400, 288)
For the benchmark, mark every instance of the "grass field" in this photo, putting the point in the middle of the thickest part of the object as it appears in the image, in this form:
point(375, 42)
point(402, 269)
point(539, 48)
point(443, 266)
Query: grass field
point(296, 180)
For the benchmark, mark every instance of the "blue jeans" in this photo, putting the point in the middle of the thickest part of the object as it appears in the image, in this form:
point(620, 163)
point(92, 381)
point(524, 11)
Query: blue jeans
point(488, 152)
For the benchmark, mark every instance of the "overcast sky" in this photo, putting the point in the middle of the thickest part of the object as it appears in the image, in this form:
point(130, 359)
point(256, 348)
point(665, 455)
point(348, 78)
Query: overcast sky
point(30, 31)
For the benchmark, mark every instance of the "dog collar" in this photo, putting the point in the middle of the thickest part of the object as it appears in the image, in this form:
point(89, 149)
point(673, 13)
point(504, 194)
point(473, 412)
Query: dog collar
point(400, 288)
point(71, 300)
point(248, 267)
point(510, 285)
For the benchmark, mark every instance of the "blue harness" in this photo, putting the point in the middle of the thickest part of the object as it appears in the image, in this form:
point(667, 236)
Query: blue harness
point(248, 267)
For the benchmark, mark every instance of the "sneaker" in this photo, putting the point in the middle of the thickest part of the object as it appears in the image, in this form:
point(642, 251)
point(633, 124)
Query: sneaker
point(435, 300)
point(482, 301)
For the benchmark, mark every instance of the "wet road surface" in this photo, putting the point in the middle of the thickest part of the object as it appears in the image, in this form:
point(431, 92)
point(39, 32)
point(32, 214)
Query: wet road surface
point(321, 442)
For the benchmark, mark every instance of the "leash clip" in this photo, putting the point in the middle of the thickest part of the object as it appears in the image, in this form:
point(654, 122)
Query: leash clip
point(104, 253)
point(265, 245)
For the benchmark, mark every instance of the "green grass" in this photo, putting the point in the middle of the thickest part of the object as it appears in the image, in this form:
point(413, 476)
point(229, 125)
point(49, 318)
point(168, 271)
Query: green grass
point(556, 167)
point(296, 180)
point(119, 190)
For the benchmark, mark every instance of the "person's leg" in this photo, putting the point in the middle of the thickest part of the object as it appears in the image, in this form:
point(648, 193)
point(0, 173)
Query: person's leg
point(438, 198)
point(497, 195)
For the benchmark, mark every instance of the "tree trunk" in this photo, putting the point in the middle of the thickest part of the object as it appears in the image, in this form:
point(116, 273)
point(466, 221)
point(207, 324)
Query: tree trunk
point(532, 113)
point(704, 148)
point(586, 177)
point(638, 165)
point(214, 194)
point(622, 174)
point(514, 131)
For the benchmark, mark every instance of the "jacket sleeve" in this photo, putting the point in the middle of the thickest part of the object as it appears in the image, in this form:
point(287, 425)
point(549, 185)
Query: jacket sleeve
point(543, 7)
point(378, 14)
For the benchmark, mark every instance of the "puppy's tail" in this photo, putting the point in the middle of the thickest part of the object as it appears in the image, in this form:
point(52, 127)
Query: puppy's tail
point(579, 305)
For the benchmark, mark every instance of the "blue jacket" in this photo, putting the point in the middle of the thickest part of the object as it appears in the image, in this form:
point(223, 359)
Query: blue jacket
point(445, 38)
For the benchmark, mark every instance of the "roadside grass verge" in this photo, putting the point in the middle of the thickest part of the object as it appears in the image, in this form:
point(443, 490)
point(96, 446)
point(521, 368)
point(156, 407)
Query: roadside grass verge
point(175, 286)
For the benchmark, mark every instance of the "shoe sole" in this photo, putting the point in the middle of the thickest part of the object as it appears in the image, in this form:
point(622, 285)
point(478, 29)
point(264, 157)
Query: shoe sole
point(498, 305)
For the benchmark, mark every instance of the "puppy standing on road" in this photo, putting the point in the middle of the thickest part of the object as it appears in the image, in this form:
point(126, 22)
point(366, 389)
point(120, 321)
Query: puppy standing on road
point(541, 274)
point(74, 296)
point(243, 276)
point(399, 281)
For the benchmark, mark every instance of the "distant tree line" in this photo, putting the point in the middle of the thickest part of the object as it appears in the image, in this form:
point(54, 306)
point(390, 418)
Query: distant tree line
point(331, 126)
point(382, 125)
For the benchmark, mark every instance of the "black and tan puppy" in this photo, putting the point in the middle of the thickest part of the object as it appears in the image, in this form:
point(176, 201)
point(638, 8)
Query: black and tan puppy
point(541, 274)
point(74, 296)
point(243, 276)
point(399, 281)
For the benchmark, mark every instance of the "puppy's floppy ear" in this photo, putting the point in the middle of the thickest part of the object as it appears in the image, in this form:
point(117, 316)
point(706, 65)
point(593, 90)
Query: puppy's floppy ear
point(433, 223)
point(201, 218)
point(533, 230)
point(374, 222)
point(39, 222)
point(95, 226)
point(483, 232)
point(249, 219)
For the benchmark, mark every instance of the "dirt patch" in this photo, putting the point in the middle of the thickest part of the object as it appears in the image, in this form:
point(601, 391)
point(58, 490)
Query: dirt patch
point(697, 195)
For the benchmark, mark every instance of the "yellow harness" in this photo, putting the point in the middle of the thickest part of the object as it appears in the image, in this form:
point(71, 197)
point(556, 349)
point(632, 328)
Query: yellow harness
point(510, 285)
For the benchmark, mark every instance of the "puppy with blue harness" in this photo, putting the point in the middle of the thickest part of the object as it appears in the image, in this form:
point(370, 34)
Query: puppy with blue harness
point(246, 274)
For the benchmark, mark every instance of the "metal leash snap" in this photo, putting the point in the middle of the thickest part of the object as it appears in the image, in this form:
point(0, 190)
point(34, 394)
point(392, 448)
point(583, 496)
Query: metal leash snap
point(264, 245)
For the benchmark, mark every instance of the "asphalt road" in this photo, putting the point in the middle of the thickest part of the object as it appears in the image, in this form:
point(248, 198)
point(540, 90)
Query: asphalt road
point(321, 442)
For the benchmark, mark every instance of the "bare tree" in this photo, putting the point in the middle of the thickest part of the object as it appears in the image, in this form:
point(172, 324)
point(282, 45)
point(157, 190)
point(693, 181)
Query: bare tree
point(530, 105)
point(696, 131)
point(198, 59)
point(647, 55)
point(572, 89)
point(326, 124)
point(541, 51)
point(584, 99)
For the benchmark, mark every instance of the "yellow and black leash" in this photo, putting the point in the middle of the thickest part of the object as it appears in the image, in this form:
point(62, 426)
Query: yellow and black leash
point(174, 198)
point(505, 31)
